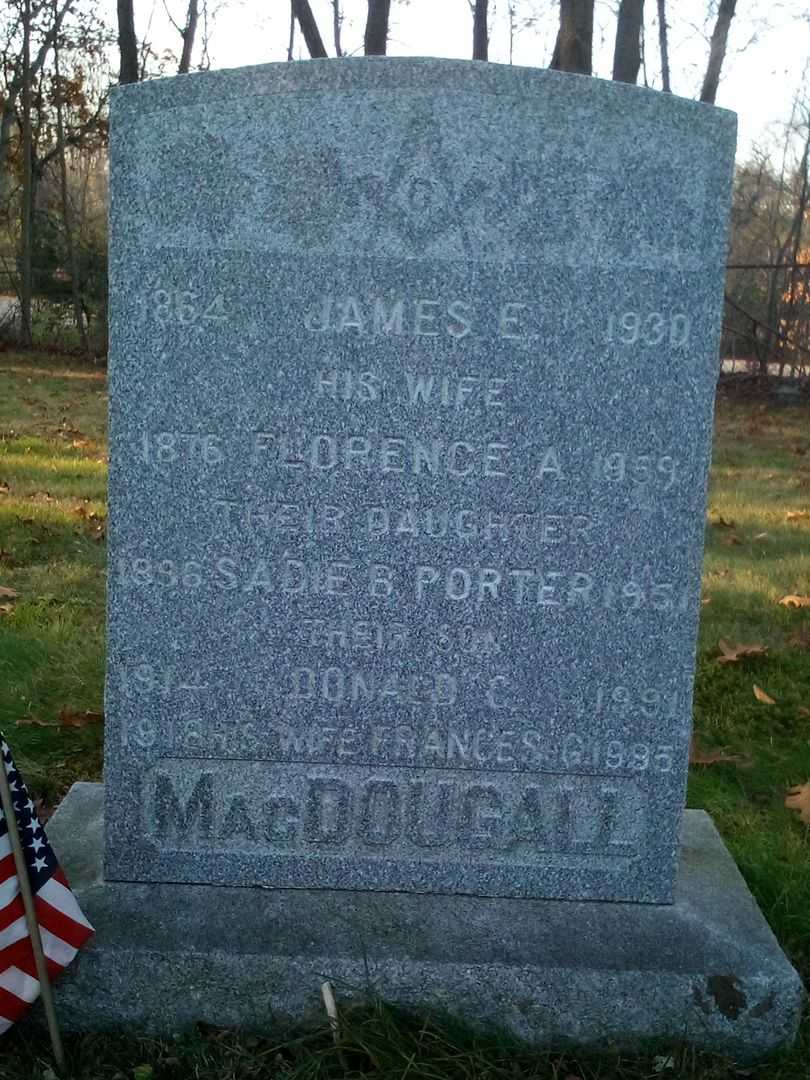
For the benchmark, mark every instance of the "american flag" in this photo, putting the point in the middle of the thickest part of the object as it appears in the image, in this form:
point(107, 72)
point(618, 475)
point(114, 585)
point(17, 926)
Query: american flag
point(62, 925)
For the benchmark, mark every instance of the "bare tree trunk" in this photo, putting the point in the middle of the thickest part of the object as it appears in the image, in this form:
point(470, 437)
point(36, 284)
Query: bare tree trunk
point(67, 217)
point(717, 50)
point(480, 31)
point(801, 211)
point(188, 33)
point(663, 42)
point(127, 43)
point(309, 28)
point(627, 52)
point(291, 40)
point(337, 23)
point(375, 39)
point(574, 48)
point(26, 210)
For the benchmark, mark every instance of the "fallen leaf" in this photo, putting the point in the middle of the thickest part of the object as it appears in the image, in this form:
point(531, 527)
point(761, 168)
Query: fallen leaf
point(804, 711)
point(722, 523)
point(797, 515)
point(4, 489)
point(69, 719)
point(706, 600)
point(733, 653)
point(760, 695)
point(731, 540)
point(7, 593)
point(32, 721)
point(761, 536)
point(795, 601)
point(699, 756)
point(6, 609)
point(798, 798)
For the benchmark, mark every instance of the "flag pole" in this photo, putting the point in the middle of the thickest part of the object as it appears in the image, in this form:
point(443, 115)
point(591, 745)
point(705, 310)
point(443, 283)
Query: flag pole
point(31, 917)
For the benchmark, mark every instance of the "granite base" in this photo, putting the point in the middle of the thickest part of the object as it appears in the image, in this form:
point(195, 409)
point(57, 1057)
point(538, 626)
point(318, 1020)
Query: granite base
point(706, 969)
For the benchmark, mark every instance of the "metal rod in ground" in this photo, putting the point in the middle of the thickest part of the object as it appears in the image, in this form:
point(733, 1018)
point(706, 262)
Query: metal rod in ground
point(31, 917)
point(328, 995)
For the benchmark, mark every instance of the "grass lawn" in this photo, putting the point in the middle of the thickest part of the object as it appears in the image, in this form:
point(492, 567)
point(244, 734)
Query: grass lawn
point(52, 556)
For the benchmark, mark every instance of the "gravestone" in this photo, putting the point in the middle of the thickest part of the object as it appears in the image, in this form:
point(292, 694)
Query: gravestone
point(411, 418)
point(412, 375)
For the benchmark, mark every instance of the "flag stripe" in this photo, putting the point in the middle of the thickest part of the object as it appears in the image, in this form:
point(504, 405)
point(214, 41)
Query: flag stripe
point(20, 955)
point(62, 899)
point(9, 884)
point(10, 914)
point(50, 919)
point(20, 983)
point(16, 931)
point(7, 866)
point(11, 1008)
point(56, 949)
point(27, 964)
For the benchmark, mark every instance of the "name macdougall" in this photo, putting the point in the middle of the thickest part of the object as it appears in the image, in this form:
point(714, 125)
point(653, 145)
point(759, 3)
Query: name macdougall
point(369, 811)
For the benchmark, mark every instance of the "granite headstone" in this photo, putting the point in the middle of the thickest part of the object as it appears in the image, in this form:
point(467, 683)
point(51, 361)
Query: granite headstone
point(412, 396)
point(411, 380)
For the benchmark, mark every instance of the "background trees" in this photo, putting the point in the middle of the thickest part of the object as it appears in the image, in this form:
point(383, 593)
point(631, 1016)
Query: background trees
point(52, 140)
point(59, 57)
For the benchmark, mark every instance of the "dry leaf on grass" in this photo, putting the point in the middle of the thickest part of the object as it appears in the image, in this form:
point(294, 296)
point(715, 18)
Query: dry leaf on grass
point(797, 515)
point(732, 653)
point(761, 536)
point(8, 594)
point(792, 600)
point(804, 711)
point(699, 756)
point(731, 540)
point(760, 695)
point(722, 523)
point(32, 721)
point(70, 719)
point(798, 799)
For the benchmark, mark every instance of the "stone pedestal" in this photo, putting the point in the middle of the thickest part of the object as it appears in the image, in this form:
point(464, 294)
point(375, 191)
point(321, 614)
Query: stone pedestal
point(705, 969)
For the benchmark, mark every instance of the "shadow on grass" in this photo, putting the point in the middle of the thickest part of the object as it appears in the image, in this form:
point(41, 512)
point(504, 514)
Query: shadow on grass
point(377, 1041)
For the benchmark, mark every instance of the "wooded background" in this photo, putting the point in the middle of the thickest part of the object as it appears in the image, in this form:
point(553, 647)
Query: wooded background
point(60, 58)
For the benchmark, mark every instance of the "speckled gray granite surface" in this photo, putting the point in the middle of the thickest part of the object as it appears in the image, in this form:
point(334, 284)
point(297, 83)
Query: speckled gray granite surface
point(411, 377)
point(705, 969)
